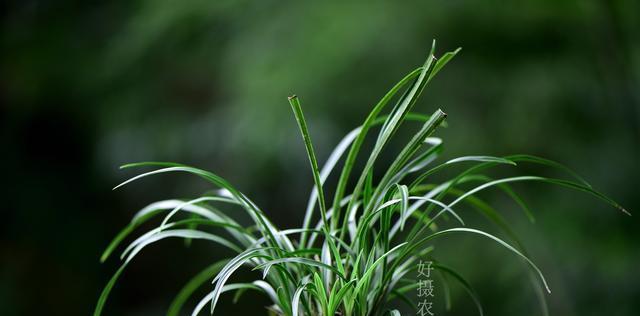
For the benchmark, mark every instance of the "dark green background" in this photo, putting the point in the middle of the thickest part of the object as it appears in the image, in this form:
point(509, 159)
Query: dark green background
point(87, 85)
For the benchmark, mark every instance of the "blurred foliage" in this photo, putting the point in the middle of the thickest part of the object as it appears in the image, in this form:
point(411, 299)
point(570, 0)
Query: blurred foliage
point(86, 86)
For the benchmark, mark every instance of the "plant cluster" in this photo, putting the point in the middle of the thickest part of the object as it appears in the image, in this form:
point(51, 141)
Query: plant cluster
point(356, 252)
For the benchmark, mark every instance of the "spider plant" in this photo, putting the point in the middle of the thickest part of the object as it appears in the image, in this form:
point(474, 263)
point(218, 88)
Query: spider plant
point(356, 252)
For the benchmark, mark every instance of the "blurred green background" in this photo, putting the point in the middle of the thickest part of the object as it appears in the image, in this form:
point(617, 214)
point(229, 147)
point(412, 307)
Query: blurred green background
point(86, 86)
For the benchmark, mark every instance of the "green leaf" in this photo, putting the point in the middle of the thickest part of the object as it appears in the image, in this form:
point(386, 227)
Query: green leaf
point(496, 239)
point(561, 182)
point(304, 261)
point(107, 289)
point(297, 110)
point(193, 285)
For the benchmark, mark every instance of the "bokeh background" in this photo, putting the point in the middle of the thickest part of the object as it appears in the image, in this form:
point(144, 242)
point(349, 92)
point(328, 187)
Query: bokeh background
point(86, 86)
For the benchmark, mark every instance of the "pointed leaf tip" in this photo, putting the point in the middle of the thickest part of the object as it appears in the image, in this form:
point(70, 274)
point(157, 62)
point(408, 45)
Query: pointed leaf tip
point(624, 210)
